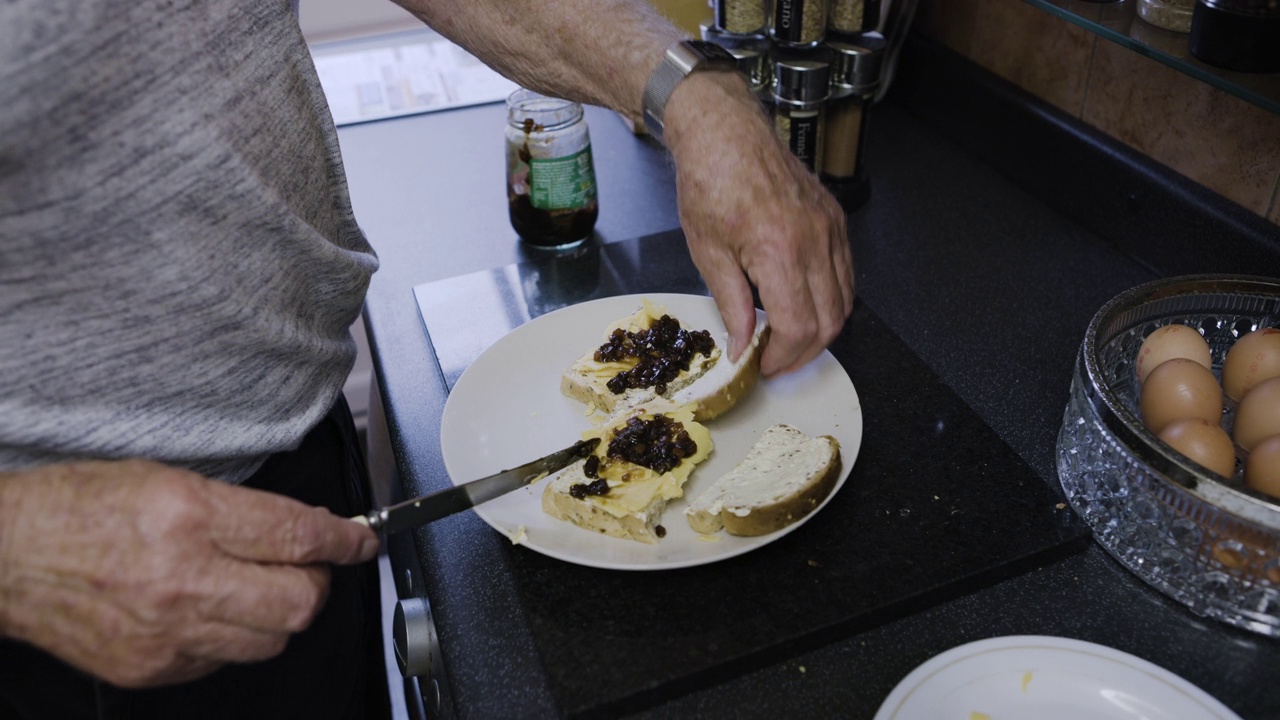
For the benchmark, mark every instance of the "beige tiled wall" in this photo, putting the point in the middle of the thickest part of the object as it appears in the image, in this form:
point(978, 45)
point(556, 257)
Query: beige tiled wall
point(1213, 137)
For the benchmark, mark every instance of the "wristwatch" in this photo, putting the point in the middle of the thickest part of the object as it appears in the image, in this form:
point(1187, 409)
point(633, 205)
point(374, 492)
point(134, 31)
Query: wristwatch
point(678, 62)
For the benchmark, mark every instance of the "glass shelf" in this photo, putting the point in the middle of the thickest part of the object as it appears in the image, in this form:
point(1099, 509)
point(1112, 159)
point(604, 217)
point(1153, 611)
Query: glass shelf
point(1118, 21)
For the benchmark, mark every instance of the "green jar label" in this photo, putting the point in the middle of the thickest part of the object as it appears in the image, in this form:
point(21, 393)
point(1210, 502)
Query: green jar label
point(564, 183)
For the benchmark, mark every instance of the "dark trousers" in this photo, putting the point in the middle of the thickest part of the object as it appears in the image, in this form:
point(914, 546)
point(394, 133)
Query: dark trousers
point(332, 670)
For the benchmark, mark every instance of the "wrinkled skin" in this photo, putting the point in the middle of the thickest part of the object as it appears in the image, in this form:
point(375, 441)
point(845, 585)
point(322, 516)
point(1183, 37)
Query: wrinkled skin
point(754, 214)
point(145, 575)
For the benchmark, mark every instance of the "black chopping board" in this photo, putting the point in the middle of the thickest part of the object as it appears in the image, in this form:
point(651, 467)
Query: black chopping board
point(936, 505)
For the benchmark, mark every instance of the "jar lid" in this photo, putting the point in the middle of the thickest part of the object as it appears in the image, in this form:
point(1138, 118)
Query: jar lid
point(856, 62)
point(801, 82)
point(754, 64)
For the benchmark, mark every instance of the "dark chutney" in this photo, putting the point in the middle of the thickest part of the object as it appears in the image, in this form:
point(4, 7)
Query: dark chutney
point(595, 487)
point(663, 351)
point(658, 443)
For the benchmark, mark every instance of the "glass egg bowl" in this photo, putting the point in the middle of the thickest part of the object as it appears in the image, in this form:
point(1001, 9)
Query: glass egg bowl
point(1203, 539)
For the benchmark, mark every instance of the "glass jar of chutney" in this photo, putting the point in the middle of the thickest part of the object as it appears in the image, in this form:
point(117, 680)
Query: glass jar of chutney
point(551, 181)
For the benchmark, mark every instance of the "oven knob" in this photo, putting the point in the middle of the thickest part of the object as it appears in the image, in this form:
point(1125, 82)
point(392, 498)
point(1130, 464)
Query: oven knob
point(414, 636)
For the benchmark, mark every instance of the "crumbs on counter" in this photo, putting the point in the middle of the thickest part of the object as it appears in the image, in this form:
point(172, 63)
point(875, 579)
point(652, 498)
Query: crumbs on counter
point(813, 563)
point(1061, 506)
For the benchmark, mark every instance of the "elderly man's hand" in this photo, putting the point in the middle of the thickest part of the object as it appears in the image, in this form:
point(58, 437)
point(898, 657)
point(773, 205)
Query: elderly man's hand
point(143, 574)
point(753, 214)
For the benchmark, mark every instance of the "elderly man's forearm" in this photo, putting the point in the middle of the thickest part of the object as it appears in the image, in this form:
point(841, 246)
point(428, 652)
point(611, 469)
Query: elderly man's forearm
point(598, 52)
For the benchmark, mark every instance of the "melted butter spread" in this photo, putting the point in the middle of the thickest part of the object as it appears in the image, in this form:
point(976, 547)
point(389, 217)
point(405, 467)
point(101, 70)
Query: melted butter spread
point(633, 487)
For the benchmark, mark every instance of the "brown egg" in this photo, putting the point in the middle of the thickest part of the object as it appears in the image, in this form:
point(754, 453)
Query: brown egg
point(1254, 358)
point(1258, 416)
point(1262, 469)
point(1206, 443)
point(1178, 389)
point(1169, 342)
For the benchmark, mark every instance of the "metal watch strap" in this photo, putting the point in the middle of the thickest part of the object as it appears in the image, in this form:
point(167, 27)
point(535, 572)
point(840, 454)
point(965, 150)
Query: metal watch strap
point(678, 62)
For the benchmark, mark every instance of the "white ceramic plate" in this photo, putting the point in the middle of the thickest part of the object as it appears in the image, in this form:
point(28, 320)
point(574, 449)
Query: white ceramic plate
point(506, 409)
point(1045, 678)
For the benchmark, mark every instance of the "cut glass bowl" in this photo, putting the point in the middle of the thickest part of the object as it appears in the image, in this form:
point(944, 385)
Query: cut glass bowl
point(1203, 539)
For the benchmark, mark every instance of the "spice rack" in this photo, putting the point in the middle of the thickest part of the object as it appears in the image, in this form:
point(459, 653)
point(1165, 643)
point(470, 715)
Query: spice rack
point(817, 66)
point(1118, 22)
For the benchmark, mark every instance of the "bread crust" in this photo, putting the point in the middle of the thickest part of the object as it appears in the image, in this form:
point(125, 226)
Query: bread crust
point(725, 396)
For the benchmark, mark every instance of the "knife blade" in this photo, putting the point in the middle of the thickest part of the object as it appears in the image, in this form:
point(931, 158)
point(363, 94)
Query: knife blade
point(422, 510)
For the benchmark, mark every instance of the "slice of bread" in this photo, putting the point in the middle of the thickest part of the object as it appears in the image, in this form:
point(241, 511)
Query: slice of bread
point(720, 388)
point(632, 508)
point(586, 380)
point(784, 476)
point(640, 524)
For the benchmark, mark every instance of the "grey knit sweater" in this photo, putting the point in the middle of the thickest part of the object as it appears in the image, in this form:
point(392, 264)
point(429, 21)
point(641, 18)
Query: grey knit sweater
point(179, 262)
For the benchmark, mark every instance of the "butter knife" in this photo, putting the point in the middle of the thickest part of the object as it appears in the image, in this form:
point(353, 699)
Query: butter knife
point(422, 510)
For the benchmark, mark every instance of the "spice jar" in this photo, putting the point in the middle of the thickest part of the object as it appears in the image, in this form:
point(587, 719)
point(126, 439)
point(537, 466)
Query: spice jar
point(798, 23)
point(845, 16)
point(1172, 15)
point(855, 77)
point(551, 181)
point(799, 93)
point(740, 17)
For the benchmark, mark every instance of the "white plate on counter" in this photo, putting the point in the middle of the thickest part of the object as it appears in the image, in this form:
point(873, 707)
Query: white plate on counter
point(507, 409)
point(1029, 677)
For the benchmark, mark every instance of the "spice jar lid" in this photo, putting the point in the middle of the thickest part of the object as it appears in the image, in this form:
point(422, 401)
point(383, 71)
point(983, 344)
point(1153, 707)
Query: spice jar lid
point(753, 63)
point(801, 82)
point(856, 63)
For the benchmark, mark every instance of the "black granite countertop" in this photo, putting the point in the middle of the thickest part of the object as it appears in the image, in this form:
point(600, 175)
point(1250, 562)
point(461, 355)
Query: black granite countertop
point(995, 230)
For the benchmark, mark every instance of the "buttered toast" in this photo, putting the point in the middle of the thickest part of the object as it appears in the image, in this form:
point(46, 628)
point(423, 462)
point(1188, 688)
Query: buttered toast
point(651, 356)
point(642, 462)
point(784, 476)
point(645, 356)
